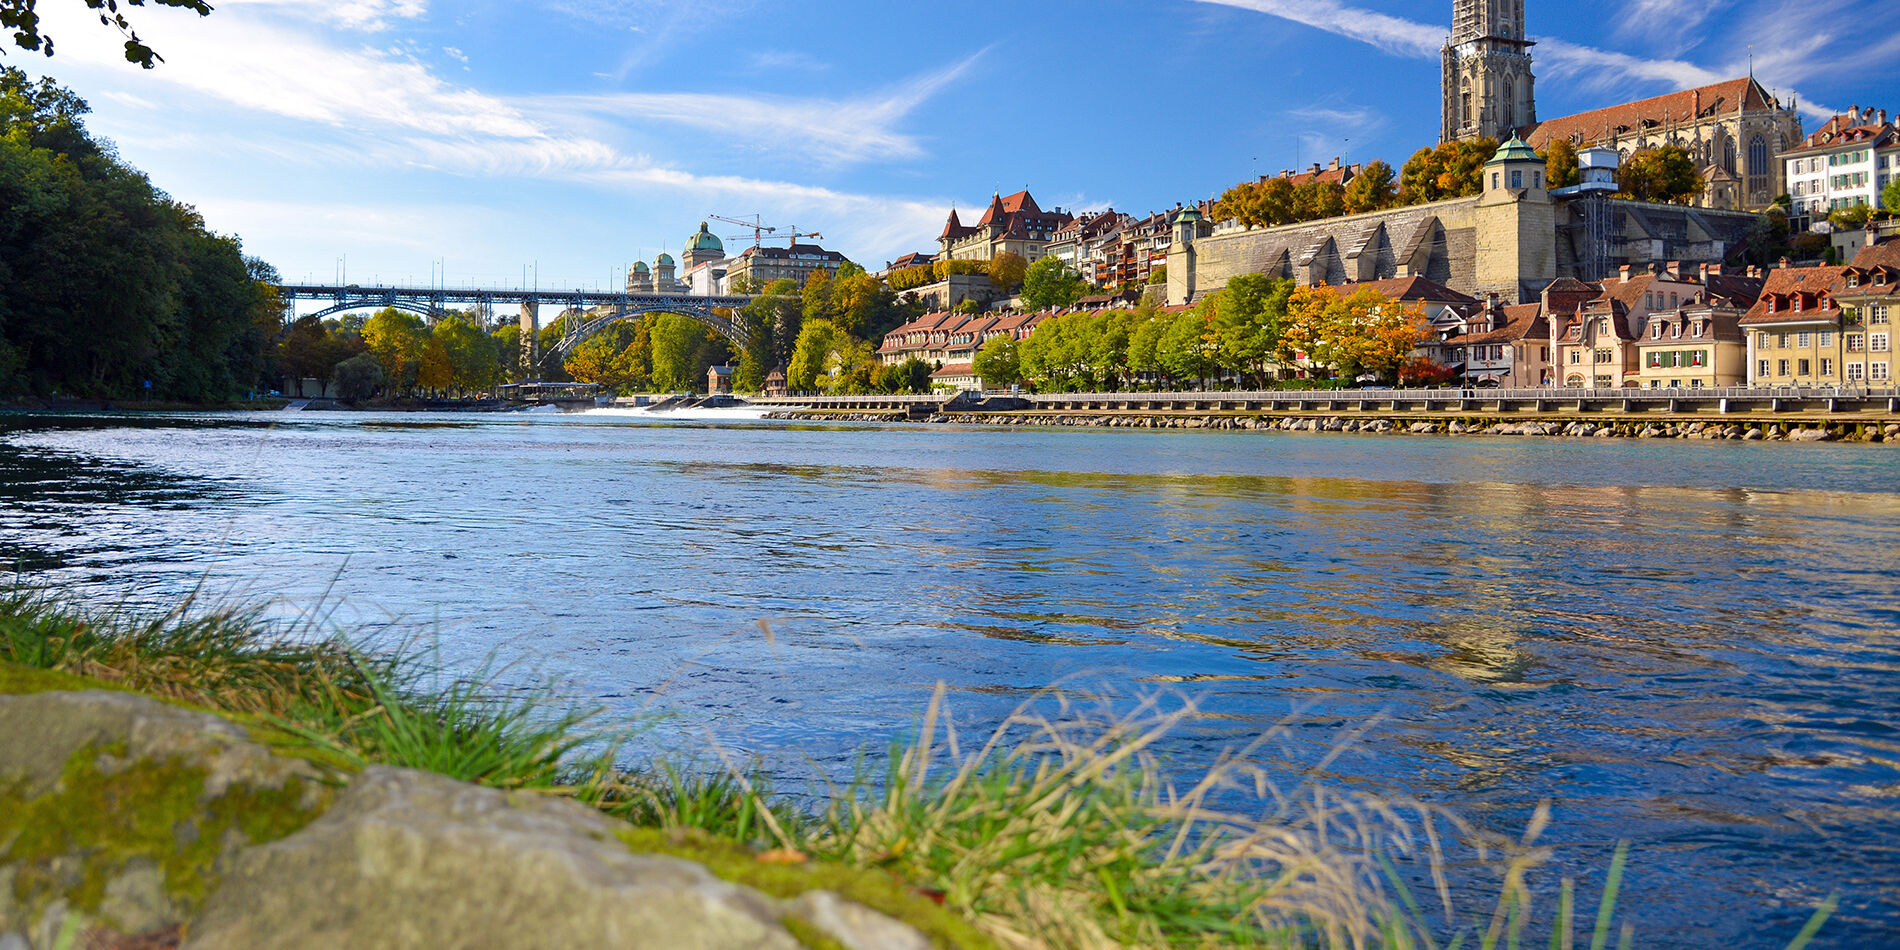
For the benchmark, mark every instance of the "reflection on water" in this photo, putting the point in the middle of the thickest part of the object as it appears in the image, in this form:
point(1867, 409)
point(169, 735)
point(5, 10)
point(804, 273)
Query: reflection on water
point(1689, 646)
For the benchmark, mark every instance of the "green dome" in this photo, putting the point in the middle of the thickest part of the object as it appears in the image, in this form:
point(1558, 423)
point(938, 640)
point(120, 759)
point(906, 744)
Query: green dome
point(664, 260)
point(705, 240)
point(640, 267)
point(1187, 217)
point(1514, 150)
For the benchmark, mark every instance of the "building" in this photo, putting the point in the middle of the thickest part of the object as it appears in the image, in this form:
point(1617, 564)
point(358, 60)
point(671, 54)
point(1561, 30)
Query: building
point(758, 266)
point(705, 263)
point(639, 278)
point(1486, 72)
point(1506, 345)
point(1734, 130)
point(1827, 326)
point(1014, 223)
point(1696, 345)
point(718, 380)
point(1735, 126)
point(1848, 161)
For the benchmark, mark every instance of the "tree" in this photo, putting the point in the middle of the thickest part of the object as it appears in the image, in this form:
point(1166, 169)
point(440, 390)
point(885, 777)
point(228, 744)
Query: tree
point(1249, 318)
point(395, 338)
point(1364, 332)
point(1314, 200)
point(1852, 217)
point(1159, 275)
point(1050, 284)
point(1665, 174)
point(1187, 347)
point(309, 351)
point(997, 363)
point(474, 359)
point(1560, 165)
point(810, 355)
point(1890, 197)
point(358, 377)
point(1452, 170)
point(20, 16)
point(1007, 270)
point(1371, 189)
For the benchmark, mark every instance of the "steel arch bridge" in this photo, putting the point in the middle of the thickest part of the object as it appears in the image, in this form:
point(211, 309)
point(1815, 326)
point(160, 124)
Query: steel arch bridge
point(603, 308)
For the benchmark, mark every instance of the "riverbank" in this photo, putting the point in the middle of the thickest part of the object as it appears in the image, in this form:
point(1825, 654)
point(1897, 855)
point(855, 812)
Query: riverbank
point(292, 752)
point(1815, 429)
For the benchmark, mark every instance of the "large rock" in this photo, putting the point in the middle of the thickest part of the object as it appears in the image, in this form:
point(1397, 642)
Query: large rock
point(408, 859)
point(125, 810)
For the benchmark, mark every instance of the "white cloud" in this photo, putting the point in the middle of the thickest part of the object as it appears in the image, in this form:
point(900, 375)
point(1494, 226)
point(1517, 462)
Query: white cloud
point(1798, 55)
point(366, 15)
point(829, 131)
point(388, 111)
point(1390, 33)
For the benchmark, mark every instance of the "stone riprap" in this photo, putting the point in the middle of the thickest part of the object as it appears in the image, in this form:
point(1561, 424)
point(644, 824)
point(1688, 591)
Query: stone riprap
point(107, 801)
point(1751, 430)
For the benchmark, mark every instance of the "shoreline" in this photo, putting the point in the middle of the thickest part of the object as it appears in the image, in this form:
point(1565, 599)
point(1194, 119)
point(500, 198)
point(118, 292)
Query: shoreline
point(1815, 429)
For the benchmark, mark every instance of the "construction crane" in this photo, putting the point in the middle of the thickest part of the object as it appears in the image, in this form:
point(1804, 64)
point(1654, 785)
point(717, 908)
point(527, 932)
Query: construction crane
point(760, 229)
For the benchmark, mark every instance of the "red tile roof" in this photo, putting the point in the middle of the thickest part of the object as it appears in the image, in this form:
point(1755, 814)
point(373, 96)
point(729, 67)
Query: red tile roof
point(1786, 282)
point(1422, 289)
point(1633, 117)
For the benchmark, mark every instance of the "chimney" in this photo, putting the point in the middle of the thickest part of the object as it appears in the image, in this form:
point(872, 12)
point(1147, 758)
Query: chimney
point(1784, 263)
point(1335, 163)
point(1882, 114)
point(1702, 272)
point(1624, 271)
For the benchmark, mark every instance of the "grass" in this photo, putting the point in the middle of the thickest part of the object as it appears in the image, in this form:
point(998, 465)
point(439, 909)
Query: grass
point(1060, 829)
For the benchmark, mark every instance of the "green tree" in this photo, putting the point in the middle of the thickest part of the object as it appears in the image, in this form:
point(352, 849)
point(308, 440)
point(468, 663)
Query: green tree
point(1159, 275)
point(1852, 217)
point(1007, 270)
point(1665, 174)
point(1890, 197)
point(1187, 347)
point(359, 377)
point(21, 17)
point(997, 363)
point(474, 359)
point(395, 338)
point(1249, 319)
point(1050, 284)
point(810, 356)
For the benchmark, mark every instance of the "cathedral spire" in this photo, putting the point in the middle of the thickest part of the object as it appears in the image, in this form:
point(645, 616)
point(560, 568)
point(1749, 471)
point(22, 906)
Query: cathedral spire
point(1486, 78)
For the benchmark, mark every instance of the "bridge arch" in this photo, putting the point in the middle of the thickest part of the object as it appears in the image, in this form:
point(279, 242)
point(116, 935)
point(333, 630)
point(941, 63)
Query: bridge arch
point(702, 315)
point(426, 311)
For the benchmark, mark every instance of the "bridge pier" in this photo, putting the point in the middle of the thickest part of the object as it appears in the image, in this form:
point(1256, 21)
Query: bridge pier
point(530, 339)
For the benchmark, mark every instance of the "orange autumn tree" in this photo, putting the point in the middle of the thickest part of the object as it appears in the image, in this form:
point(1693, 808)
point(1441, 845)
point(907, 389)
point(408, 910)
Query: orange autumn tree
point(1364, 332)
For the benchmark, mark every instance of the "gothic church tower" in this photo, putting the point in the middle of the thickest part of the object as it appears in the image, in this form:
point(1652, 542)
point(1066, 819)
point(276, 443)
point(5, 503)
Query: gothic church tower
point(1487, 72)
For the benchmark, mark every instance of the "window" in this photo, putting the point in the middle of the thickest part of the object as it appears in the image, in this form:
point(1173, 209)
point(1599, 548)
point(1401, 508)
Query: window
point(1877, 342)
point(1763, 341)
point(1696, 357)
point(1672, 299)
point(1877, 313)
point(1803, 339)
point(1827, 366)
point(1781, 367)
point(1852, 341)
point(1695, 384)
point(1517, 178)
point(1698, 331)
point(1494, 180)
point(1576, 356)
point(1782, 340)
point(1855, 372)
point(1827, 338)
point(1877, 371)
point(1803, 367)
point(1603, 326)
point(1761, 368)
point(1655, 332)
point(1604, 355)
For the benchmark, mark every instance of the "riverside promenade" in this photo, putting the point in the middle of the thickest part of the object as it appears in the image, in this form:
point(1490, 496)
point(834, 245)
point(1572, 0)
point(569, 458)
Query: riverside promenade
point(1860, 414)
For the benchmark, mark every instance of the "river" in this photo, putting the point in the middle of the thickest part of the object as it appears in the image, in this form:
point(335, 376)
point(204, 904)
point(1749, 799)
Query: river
point(1689, 645)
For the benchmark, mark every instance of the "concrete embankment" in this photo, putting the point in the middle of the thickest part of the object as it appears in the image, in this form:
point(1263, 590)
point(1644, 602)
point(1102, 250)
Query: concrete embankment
point(1793, 429)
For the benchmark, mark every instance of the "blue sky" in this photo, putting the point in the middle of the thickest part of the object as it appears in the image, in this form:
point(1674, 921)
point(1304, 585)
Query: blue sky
point(424, 138)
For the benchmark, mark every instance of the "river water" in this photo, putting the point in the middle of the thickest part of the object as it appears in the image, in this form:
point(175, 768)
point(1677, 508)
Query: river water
point(1691, 646)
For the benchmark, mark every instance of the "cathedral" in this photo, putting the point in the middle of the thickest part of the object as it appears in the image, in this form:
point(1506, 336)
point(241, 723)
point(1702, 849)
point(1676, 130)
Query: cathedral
point(1734, 130)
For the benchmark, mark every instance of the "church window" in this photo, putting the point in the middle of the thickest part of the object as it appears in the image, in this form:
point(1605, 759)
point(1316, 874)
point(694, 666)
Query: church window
point(1758, 156)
